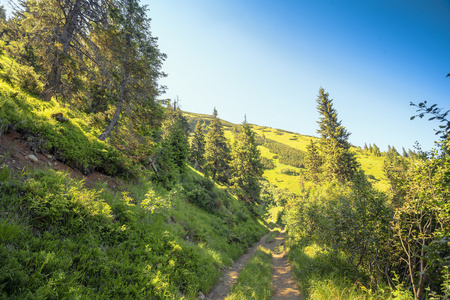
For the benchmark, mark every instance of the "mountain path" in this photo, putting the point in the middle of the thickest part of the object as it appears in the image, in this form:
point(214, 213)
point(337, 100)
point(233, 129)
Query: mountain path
point(282, 277)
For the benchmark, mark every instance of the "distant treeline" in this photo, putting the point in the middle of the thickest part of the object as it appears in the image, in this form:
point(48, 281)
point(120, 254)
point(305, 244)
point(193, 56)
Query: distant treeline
point(287, 155)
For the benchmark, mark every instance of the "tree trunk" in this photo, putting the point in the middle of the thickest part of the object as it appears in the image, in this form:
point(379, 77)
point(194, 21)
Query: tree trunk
point(51, 87)
point(107, 132)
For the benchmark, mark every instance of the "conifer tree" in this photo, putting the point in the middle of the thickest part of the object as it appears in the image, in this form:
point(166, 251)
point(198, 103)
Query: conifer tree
point(198, 147)
point(313, 161)
point(376, 151)
point(405, 154)
point(339, 162)
point(246, 165)
point(174, 150)
point(217, 152)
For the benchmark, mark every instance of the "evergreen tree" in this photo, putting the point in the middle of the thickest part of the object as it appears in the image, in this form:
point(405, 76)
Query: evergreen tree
point(174, 150)
point(365, 147)
point(405, 154)
point(217, 152)
point(246, 165)
point(198, 147)
point(313, 161)
point(376, 151)
point(339, 162)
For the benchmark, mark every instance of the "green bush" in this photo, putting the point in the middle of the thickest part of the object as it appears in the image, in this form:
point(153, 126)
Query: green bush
point(267, 163)
point(287, 155)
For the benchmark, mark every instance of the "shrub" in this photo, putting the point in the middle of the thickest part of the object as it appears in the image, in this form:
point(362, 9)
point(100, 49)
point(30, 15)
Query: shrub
point(267, 163)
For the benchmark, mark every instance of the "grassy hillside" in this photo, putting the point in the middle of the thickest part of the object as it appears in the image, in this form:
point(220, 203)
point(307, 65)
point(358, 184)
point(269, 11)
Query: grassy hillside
point(287, 176)
point(61, 239)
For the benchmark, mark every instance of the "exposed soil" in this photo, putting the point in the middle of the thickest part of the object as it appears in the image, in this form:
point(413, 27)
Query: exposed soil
point(14, 152)
point(282, 277)
point(230, 276)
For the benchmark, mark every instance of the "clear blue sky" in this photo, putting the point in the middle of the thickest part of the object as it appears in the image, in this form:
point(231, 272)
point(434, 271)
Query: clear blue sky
point(268, 59)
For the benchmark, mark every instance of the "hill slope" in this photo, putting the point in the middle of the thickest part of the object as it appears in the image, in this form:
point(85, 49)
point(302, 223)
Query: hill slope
point(287, 175)
point(63, 238)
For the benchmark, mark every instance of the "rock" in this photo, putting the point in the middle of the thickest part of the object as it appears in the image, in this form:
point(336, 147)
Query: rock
point(49, 156)
point(201, 296)
point(32, 158)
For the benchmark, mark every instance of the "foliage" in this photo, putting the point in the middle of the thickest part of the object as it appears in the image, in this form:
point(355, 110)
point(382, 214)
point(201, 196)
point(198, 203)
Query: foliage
point(313, 162)
point(172, 155)
point(267, 163)
point(246, 165)
point(61, 240)
point(338, 161)
point(287, 155)
point(73, 142)
point(198, 147)
point(217, 152)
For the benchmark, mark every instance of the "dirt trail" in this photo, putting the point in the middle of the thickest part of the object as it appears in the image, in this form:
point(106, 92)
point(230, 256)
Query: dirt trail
point(282, 277)
point(230, 277)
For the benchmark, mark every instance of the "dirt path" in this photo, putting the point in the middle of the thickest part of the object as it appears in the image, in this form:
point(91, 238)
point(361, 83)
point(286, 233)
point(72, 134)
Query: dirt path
point(282, 277)
point(230, 277)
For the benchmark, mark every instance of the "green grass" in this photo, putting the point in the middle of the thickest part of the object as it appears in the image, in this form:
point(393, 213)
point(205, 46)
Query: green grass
point(325, 275)
point(372, 165)
point(61, 240)
point(255, 280)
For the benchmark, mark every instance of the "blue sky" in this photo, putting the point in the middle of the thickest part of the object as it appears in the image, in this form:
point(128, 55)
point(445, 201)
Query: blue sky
point(268, 59)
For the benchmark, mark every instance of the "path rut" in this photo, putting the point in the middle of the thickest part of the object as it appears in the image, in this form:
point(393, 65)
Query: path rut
point(282, 277)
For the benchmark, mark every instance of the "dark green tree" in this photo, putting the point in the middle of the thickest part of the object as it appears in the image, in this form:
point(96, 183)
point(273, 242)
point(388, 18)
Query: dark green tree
point(313, 161)
point(198, 147)
point(339, 162)
point(376, 151)
point(134, 62)
point(217, 152)
point(246, 165)
point(2, 13)
point(173, 152)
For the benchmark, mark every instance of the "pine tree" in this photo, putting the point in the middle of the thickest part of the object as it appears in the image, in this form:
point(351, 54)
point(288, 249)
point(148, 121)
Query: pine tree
point(198, 147)
point(313, 161)
point(339, 162)
point(217, 152)
point(405, 154)
point(376, 151)
point(174, 150)
point(246, 165)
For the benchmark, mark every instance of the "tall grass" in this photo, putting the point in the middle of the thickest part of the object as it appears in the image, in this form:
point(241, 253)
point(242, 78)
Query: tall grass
point(323, 274)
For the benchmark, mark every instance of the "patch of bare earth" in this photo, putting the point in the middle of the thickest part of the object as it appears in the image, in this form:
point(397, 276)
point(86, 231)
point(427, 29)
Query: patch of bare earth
point(229, 278)
point(15, 153)
point(282, 276)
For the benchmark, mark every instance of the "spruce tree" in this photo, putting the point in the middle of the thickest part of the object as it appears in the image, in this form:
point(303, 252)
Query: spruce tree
point(313, 161)
point(376, 151)
point(217, 152)
point(246, 165)
point(174, 150)
point(339, 162)
point(198, 147)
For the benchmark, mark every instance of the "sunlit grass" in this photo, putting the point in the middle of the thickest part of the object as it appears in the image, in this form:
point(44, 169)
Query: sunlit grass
point(255, 280)
point(325, 275)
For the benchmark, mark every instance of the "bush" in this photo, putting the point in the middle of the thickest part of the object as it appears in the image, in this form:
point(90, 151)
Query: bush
point(29, 80)
point(287, 155)
point(267, 163)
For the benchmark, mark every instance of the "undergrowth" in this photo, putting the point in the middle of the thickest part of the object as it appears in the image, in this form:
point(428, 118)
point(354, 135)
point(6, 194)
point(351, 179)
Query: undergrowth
point(59, 239)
